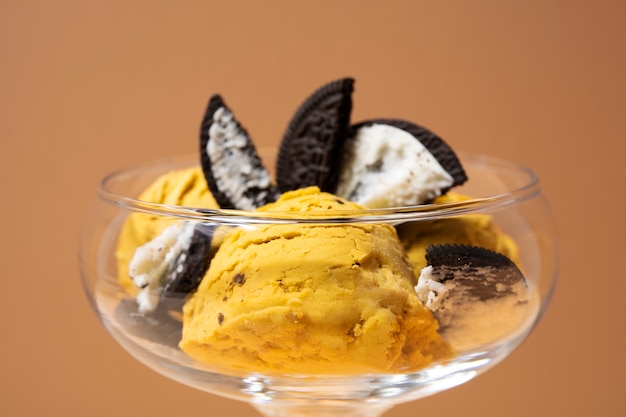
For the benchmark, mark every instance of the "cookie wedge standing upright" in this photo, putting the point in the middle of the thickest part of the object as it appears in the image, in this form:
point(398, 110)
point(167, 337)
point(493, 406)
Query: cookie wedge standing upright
point(394, 163)
point(311, 148)
point(232, 168)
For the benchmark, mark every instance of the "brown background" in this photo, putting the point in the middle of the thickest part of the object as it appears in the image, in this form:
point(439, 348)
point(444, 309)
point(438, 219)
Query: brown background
point(85, 88)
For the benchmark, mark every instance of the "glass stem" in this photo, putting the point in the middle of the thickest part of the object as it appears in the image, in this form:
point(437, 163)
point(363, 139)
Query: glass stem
point(320, 410)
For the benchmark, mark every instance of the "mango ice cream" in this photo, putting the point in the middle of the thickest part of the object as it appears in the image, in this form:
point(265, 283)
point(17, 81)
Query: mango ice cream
point(311, 299)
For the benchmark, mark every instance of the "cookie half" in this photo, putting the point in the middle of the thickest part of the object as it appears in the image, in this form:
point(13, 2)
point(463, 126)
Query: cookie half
point(310, 151)
point(232, 168)
point(478, 296)
point(395, 163)
point(171, 265)
point(184, 274)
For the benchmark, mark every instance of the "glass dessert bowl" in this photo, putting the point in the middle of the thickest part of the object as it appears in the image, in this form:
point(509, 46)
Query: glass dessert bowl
point(327, 311)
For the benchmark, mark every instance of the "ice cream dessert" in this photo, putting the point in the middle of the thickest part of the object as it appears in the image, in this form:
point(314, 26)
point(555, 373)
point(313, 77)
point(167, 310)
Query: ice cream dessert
point(335, 299)
point(296, 297)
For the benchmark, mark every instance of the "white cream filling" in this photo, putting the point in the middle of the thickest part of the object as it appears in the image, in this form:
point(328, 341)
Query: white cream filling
point(231, 161)
point(150, 262)
point(430, 291)
point(386, 166)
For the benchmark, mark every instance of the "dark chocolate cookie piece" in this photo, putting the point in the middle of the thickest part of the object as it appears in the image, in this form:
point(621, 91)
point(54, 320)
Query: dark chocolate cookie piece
point(310, 151)
point(478, 273)
point(396, 163)
point(232, 168)
point(184, 273)
point(442, 152)
point(478, 296)
point(172, 264)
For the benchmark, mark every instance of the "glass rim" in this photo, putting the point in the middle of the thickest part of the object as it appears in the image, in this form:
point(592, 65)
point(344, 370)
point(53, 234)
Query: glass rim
point(427, 211)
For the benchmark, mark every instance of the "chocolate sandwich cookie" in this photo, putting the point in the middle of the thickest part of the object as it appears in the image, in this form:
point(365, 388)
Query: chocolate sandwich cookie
point(477, 295)
point(184, 274)
point(311, 149)
point(435, 145)
point(484, 274)
point(171, 265)
point(393, 163)
point(232, 168)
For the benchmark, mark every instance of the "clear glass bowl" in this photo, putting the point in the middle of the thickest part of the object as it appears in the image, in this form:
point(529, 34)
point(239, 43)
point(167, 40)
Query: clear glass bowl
point(506, 194)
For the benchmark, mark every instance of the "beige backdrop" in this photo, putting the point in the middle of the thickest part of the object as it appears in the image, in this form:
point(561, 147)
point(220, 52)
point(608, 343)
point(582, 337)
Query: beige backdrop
point(86, 87)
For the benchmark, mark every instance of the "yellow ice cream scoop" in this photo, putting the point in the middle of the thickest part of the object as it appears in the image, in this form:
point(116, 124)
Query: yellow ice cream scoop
point(185, 187)
point(311, 298)
point(470, 229)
